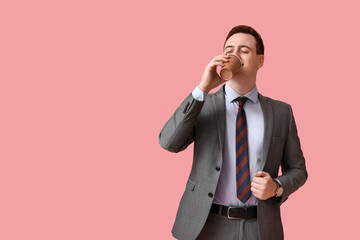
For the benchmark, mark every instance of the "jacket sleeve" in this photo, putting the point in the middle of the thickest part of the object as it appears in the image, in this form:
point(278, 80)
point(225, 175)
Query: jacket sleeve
point(178, 132)
point(294, 173)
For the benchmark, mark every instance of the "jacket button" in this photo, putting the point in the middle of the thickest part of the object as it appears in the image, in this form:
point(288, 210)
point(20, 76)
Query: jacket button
point(210, 195)
point(217, 168)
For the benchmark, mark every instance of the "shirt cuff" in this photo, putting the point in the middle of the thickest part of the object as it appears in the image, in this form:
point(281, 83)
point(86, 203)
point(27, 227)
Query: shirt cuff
point(278, 181)
point(199, 95)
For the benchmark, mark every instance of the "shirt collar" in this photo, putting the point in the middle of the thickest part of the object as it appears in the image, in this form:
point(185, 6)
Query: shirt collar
point(231, 94)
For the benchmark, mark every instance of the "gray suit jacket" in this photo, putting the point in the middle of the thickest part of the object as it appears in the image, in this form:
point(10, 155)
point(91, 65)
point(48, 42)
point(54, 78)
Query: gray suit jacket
point(204, 124)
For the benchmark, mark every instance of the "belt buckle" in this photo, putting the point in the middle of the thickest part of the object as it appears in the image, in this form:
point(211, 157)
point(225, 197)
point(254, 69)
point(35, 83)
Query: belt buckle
point(228, 213)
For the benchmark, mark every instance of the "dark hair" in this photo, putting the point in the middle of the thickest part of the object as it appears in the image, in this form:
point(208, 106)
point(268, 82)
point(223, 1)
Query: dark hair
point(248, 30)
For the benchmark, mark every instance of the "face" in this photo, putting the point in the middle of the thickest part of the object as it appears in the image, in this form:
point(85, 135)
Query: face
point(244, 46)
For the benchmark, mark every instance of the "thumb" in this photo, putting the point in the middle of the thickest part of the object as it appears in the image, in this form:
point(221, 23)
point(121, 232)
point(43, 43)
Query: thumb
point(261, 174)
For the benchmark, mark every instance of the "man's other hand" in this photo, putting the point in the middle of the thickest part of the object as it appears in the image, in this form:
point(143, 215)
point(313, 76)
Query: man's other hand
point(263, 186)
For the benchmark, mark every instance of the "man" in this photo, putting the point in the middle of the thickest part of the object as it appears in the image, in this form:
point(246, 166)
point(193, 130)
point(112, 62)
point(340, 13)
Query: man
point(241, 139)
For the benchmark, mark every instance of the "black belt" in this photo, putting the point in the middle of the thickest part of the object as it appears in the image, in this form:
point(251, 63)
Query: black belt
point(234, 212)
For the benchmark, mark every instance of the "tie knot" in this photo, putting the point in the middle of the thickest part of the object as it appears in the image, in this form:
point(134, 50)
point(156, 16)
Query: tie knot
point(242, 100)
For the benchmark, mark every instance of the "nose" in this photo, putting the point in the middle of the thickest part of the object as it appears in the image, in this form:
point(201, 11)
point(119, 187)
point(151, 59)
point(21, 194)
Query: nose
point(236, 55)
point(237, 51)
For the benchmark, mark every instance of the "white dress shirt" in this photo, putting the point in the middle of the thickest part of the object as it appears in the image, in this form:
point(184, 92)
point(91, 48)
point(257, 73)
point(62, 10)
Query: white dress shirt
point(226, 189)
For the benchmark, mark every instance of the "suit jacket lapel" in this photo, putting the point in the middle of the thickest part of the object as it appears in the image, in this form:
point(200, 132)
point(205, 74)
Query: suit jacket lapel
point(268, 127)
point(219, 107)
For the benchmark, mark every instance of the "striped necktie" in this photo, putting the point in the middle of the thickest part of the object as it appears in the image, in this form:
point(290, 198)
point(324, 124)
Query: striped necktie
point(242, 155)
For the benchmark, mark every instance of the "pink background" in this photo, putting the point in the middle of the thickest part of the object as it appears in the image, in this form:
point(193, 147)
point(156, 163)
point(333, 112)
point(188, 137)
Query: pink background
point(86, 87)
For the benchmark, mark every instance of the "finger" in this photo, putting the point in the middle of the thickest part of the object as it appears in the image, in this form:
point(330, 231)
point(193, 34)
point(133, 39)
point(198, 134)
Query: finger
point(258, 180)
point(256, 186)
point(222, 58)
point(219, 62)
point(255, 191)
point(261, 174)
point(222, 55)
point(213, 65)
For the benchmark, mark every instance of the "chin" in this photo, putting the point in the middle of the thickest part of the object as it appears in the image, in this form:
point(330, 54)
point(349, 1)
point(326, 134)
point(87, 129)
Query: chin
point(239, 75)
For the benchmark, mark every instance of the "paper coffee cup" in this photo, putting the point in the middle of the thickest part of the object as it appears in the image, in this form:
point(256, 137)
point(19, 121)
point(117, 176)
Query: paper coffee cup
point(231, 67)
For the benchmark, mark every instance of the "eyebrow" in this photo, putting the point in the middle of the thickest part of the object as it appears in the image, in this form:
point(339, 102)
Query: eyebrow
point(241, 46)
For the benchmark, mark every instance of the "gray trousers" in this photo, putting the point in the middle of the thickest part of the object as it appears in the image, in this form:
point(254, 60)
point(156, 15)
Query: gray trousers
point(221, 228)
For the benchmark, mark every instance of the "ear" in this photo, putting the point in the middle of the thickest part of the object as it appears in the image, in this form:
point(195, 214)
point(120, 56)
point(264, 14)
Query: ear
point(260, 61)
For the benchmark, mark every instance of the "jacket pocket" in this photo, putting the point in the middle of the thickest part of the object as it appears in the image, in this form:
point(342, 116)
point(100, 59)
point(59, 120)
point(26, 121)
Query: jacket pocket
point(190, 185)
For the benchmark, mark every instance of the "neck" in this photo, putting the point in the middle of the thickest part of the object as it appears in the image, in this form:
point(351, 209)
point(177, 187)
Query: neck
point(242, 86)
